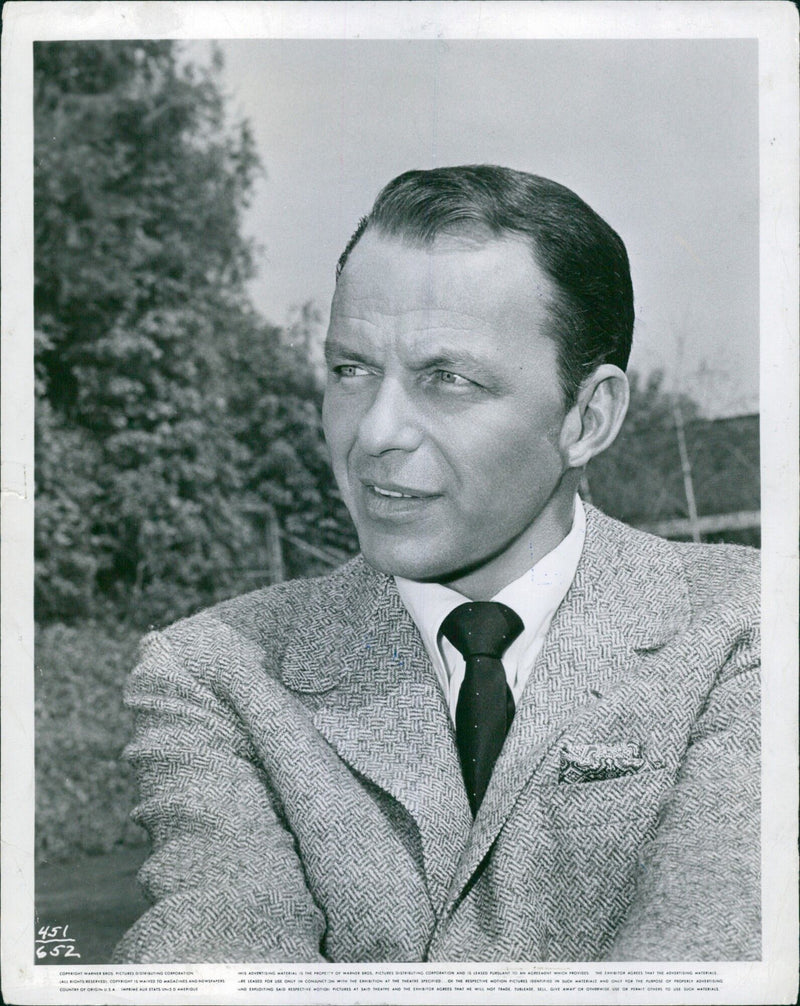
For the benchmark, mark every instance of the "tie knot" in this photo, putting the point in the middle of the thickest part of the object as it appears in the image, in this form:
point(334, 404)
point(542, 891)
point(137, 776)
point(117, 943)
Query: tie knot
point(482, 628)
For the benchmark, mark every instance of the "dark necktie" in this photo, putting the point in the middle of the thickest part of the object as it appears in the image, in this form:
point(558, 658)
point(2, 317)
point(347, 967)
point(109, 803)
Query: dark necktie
point(482, 631)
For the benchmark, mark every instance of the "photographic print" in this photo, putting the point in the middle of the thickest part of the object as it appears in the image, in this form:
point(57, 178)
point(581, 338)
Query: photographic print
point(398, 439)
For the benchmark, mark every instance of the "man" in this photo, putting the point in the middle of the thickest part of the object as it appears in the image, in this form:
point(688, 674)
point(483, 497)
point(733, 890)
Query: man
point(513, 729)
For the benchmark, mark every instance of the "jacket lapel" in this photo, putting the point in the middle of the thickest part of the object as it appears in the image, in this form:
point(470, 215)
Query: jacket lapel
point(619, 605)
point(380, 706)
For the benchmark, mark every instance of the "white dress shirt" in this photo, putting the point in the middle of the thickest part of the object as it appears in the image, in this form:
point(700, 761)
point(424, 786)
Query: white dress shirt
point(535, 596)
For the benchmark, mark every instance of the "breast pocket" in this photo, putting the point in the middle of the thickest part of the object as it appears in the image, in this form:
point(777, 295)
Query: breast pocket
point(612, 808)
point(592, 838)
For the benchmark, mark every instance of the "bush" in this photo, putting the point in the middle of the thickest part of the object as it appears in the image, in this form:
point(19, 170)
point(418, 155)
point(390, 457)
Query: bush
point(84, 793)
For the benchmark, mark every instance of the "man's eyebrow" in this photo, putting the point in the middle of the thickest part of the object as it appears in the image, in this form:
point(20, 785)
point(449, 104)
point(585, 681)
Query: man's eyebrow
point(338, 348)
point(449, 358)
point(443, 355)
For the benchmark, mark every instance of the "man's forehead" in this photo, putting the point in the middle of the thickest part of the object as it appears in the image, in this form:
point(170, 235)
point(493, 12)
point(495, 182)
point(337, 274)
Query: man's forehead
point(454, 273)
point(440, 302)
point(447, 245)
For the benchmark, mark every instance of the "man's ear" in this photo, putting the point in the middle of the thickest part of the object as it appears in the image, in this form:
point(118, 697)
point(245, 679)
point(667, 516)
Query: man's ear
point(593, 422)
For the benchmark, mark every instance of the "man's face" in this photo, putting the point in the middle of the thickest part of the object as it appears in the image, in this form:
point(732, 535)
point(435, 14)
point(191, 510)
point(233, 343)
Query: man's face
point(443, 410)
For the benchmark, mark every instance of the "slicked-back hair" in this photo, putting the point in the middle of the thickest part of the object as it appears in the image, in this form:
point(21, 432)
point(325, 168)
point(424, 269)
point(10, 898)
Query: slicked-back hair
point(592, 303)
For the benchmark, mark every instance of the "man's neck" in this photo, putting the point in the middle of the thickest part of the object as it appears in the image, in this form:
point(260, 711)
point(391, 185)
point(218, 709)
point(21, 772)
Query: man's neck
point(542, 536)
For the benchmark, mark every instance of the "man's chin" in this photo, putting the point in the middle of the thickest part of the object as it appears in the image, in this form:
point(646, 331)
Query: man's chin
point(420, 564)
point(479, 578)
point(408, 566)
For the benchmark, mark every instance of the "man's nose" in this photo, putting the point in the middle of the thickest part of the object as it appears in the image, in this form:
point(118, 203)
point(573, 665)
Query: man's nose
point(392, 422)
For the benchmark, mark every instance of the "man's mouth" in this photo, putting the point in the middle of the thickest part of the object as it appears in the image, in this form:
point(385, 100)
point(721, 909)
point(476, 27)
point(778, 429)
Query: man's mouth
point(395, 491)
point(393, 494)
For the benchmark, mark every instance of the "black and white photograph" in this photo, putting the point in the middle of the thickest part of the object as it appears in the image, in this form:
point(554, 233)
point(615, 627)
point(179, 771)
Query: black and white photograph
point(400, 424)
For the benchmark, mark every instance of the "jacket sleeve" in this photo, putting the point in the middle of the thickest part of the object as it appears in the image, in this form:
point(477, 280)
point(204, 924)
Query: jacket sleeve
point(224, 876)
point(698, 892)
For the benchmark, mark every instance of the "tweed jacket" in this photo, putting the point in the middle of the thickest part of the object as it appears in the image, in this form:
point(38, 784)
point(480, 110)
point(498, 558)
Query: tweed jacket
point(300, 780)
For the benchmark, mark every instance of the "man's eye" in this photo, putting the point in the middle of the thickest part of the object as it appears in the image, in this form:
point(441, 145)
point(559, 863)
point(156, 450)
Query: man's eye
point(448, 377)
point(349, 370)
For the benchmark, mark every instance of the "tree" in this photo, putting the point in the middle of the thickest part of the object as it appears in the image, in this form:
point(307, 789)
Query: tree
point(639, 477)
point(274, 412)
point(152, 471)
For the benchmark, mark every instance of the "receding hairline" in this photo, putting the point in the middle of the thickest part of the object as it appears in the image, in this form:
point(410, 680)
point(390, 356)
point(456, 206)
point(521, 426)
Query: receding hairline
point(454, 240)
point(466, 236)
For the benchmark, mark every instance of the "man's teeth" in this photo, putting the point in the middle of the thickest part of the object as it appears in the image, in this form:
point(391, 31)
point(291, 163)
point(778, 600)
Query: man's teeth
point(390, 492)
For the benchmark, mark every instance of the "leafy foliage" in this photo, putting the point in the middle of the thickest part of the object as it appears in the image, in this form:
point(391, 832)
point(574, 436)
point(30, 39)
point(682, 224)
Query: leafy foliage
point(169, 416)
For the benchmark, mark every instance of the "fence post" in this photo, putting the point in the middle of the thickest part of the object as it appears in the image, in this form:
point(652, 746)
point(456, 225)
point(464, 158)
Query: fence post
point(686, 468)
point(274, 548)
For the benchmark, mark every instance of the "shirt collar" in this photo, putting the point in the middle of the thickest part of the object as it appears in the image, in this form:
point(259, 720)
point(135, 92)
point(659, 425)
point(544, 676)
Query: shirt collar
point(535, 595)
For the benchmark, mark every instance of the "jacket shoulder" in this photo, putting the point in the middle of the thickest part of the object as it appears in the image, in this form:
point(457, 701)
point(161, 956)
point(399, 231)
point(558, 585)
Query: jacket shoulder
point(263, 621)
point(727, 576)
point(721, 574)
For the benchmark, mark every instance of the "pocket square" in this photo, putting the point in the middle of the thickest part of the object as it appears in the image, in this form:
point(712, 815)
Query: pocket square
point(595, 762)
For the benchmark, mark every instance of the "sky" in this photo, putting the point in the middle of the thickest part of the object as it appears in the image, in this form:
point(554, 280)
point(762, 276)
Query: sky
point(659, 136)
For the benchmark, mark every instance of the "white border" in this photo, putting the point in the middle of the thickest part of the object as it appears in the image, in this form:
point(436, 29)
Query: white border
point(775, 25)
